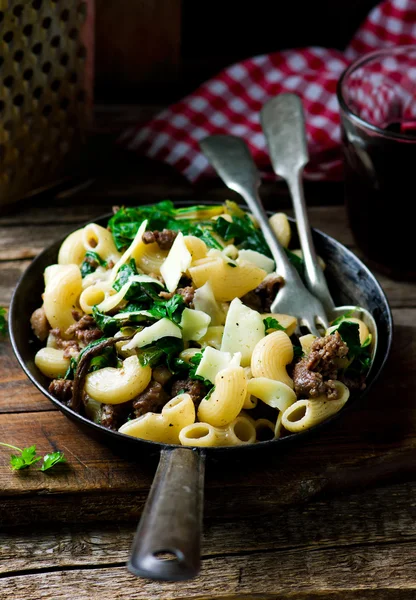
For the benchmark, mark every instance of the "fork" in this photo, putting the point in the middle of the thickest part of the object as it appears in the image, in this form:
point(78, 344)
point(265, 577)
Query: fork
point(283, 124)
point(232, 160)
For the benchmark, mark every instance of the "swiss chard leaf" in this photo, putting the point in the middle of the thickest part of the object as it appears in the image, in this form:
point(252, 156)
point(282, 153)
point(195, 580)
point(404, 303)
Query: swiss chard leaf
point(88, 265)
point(108, 325)
point(70, 373)
point(297, 351)
point(124, 273)
point(246, 236)
point(349, 333)
point(125, 223)
point(342, 318)
point(164, 351)
point(243, 232)
point(163, 215)
point(107, 359)
point(142, 294)
point(359, 355)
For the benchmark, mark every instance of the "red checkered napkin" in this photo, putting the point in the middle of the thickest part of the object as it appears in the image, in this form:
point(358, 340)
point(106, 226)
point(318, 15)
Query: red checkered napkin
point(230, 102)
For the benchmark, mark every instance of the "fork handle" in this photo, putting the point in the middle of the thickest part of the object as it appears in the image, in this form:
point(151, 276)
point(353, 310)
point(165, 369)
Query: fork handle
point(315, 278)
point(231, 158)
point(283, 123)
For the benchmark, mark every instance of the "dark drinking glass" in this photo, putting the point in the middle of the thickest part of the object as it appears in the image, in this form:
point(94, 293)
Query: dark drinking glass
point(377, 97)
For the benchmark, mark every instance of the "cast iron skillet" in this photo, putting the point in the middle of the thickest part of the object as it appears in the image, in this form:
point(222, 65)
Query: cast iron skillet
point(171, 521)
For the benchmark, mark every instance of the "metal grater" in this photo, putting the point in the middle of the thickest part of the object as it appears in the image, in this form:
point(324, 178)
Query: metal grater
point(46, 78)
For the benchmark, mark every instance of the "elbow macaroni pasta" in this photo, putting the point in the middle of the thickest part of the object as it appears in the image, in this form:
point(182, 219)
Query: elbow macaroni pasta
point(98, 239)
point(115, 386)
point(51, 362)
point(177, 414)
point(270, 357)
point(62, 291)
point(72, 251)
point(305, 414)
point(227, 399)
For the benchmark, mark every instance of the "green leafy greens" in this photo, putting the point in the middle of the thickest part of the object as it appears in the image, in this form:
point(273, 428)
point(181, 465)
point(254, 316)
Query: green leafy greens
point(125, 223)
point(163, 351)
point(163, 215)
point(107, 359)
point(90, 263)
point(358, 354)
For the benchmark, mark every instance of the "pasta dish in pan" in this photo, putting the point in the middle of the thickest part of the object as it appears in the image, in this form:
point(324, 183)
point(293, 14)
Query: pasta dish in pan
point(159, 327)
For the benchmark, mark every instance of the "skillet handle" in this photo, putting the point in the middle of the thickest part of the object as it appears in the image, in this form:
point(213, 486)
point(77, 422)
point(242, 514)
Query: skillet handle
point(172, 519)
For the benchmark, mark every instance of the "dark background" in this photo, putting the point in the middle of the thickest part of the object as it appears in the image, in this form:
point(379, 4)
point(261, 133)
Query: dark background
point(158, 50)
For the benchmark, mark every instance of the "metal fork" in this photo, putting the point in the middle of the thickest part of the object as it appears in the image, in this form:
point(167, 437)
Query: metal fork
point(283, 123)
point(231, 158)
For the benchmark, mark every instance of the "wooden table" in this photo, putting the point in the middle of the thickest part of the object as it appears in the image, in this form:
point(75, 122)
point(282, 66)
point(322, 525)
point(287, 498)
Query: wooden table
point(333, 519)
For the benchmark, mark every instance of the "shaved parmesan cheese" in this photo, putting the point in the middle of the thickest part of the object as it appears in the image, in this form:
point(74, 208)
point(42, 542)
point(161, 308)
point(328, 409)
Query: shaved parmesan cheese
point(160, 329)
point(142, 278)
point(134, 313)
point(274, 393)
point(194, 324)
point(204, 300)
point(213, 361)
point(111, 301)
point(177, 262)
point(258, 259)
point(127, 254)
point(244, 327)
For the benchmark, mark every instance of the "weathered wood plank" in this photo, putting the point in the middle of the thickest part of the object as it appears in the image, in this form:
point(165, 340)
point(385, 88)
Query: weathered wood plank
point(294, 574)
point(357, 519)
point(9, 276)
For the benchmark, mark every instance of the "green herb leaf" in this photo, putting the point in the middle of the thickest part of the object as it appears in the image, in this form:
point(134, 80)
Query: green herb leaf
point(50, 460)
point(3, 322)
point(171, 309)
point(272, 323)
point(26, 458)
point(194, 361)
point(90, 263)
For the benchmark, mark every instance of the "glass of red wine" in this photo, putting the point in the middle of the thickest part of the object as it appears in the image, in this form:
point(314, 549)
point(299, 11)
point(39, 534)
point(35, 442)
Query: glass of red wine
point(377, 98)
